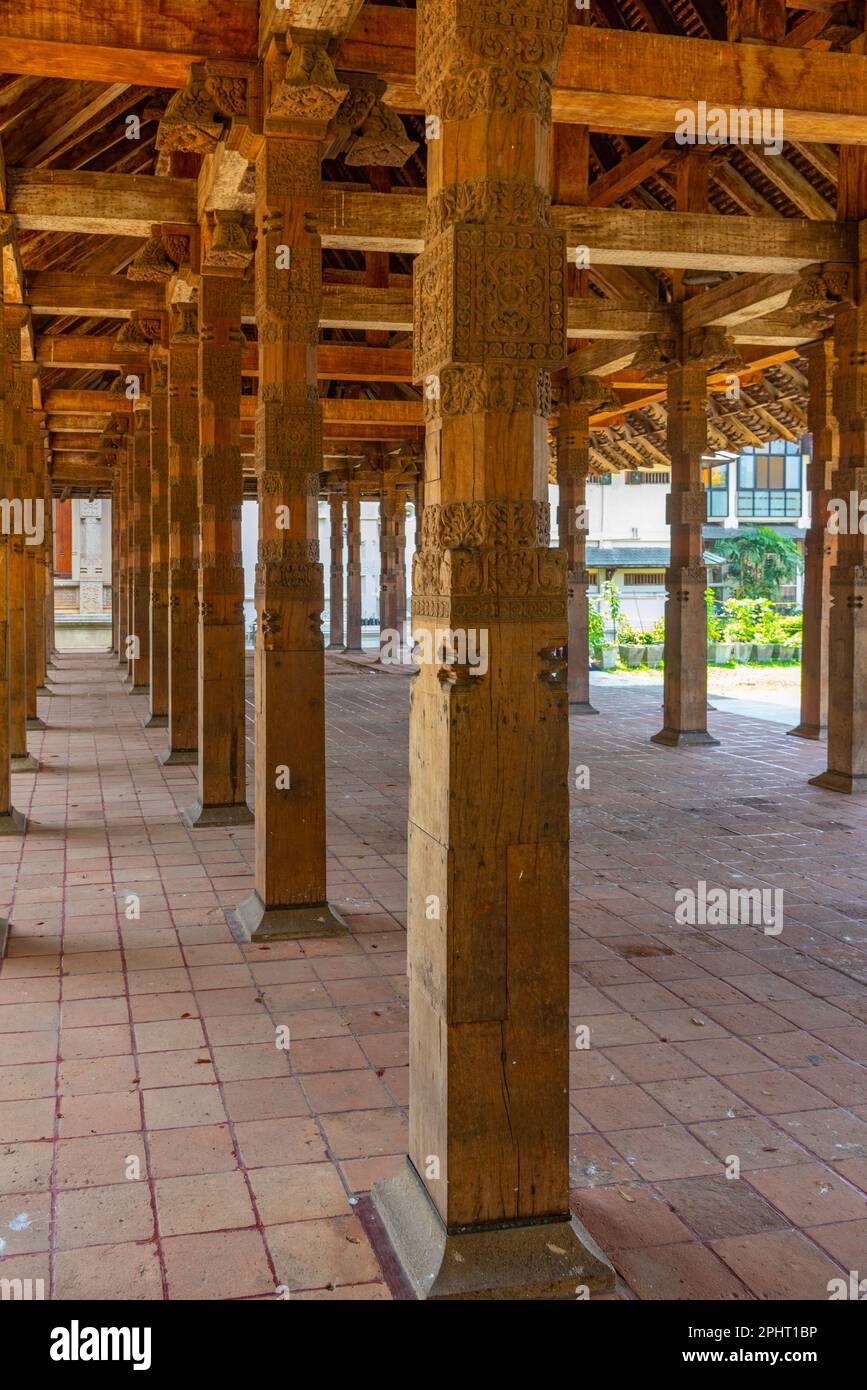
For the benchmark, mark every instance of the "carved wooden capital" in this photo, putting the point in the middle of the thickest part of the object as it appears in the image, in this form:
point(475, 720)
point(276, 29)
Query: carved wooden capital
point(192, 120)
point(382, 140)
point(303, 84)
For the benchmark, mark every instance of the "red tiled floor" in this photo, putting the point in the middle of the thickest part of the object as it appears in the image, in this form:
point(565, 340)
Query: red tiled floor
point(153, 1037)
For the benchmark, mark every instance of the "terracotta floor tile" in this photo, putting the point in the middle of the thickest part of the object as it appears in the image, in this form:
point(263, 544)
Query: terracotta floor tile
point(344, 1090)
point(264, 1099)
point(628, 1217)
point(208, 1201)
point(755, 1142)
point(653, 1062)
point(299, 1192)
point(778, 1265)
point(197, 1149)
point(104, 1215)
point(665, 1152)
point(718, 1206)
point(678, 1272)
point(25, 1167)
point(811, 1195)
point(615, 1107)
point(315, 1254)
point(175, 1107)
point(270, 1143)
point(99, 1271)
point(99, 1160)
point(24, 1224)
point(694, 1098)
point(366, 1133)
point(218, 1265)
point(846, 1242)
point(26, 1119)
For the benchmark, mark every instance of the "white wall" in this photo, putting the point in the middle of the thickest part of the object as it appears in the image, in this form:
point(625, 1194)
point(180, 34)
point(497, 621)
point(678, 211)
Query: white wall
point(369, 556)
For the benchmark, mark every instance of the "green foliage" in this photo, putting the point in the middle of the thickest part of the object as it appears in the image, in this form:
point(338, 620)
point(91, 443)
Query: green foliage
point(596, 630)
point(760, 562)
point(756, 620)
point(715, 622)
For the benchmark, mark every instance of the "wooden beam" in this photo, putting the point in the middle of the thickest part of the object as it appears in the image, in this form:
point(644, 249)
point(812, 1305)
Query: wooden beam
point(337, 361)
point(137, 42)
point(116, 204)
point(633, 169)
point(617, 79)
point(704, 241)
point(60, 200)
point(744, 298)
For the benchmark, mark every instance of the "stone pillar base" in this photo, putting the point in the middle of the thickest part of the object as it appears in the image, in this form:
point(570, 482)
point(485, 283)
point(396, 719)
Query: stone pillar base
point(685, 738)
point(335, 647)
point(4, 936)
point(200, 817)
point(157, 721)
point(23, 762)
point(581, 707)
point(44, 690)
point(851, 783)
point(12, 822)
point(261, 923)
point(813, 731)
point(178, 757)
point(543, 1260)
point(34, 725)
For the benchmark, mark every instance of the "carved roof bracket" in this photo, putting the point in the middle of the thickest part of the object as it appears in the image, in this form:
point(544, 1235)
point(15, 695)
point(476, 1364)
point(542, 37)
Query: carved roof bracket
point(192, 119)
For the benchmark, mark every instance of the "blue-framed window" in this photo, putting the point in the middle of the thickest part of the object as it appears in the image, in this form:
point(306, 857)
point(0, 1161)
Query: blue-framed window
point(716, 481)
point(770, 481)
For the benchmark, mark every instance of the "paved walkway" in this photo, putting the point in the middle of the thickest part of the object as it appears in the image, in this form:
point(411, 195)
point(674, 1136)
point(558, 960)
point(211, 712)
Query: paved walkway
point(154, 1142)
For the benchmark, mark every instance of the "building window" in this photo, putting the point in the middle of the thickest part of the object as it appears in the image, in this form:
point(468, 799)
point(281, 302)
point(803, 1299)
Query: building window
point(647, 478)
point(769, 481)
point(644, 580)
point(716, 481)
point(600, 479)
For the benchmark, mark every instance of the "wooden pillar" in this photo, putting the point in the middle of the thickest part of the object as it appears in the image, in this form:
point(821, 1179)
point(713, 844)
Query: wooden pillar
point(222, 656)
point(400, 566)
point(482, 1209)
point(353, 568)
point(140, 583)
point(11, 820)
point(46, 576)
point(821, 545)
point(159, 525)
point(34, 602)
point(685, 700)
point(39, 472)
point(129, 449)
point(183, 536)
point(122, 486)
point(335, 606)
point(847, 661)
point(301, 94)
point(573, 466)
point(22, 417)
point(114, 562)
point(847, 642)
point(387, 566)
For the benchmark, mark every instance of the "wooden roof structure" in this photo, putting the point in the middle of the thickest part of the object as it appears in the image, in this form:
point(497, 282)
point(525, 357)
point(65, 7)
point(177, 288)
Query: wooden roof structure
point(85, 94)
